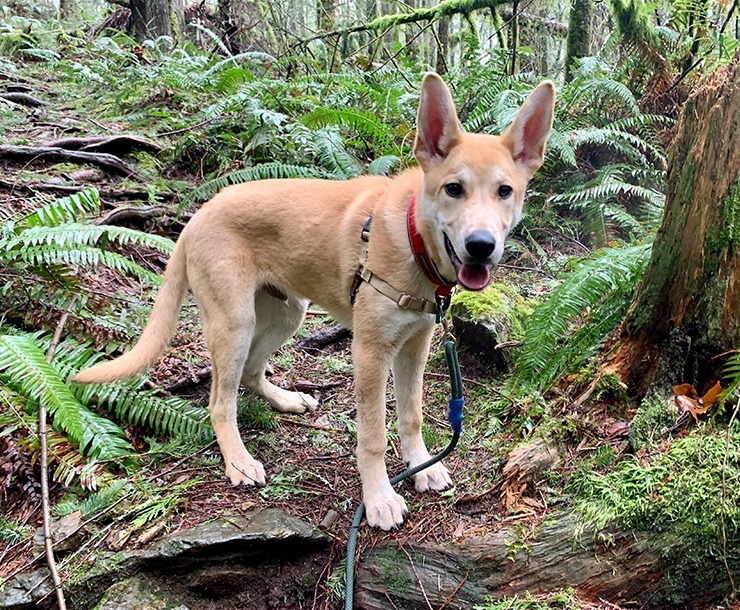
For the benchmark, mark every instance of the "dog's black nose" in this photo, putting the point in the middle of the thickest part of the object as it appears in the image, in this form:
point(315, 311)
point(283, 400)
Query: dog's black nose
point(480, 244)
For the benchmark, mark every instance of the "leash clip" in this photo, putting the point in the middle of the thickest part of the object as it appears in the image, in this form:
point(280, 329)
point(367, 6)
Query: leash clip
point(442, 301)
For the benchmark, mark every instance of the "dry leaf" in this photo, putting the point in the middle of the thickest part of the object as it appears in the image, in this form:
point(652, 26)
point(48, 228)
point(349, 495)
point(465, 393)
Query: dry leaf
point(686, 389)
point(712, 394)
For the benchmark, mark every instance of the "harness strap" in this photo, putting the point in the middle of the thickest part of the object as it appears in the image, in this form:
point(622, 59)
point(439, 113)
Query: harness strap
point(403, 300)
point(443, 293)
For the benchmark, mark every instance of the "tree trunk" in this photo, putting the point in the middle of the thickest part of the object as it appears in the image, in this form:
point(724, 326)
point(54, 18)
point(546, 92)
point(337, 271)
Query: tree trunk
point(443, 45)
point(613, 566)
point(687, 309)
point(68, 9)
point(154, 18)
point(578, 41)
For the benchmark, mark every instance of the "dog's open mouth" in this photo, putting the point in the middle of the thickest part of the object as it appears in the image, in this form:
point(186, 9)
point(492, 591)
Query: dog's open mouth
point(471, 276)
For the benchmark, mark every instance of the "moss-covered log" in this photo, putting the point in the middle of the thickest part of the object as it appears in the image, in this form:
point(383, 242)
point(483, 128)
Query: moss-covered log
point(615, 566)
point(688, 306)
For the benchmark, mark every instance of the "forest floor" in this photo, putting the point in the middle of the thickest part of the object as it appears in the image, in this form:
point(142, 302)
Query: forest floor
point(309, 458)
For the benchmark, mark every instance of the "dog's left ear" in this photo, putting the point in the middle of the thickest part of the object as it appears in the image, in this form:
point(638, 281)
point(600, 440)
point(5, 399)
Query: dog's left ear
point(527, 135)
point(437, 129)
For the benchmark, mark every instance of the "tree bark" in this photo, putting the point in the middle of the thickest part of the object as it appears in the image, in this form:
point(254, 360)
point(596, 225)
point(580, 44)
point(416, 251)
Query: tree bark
point(578, 41)
point(443, 45)
point(686, 311)
point(68, 9)
point(613, 566)
point(154, 18)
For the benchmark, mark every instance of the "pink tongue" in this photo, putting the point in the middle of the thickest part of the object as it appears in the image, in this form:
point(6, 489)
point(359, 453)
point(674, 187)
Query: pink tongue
point(474, 277)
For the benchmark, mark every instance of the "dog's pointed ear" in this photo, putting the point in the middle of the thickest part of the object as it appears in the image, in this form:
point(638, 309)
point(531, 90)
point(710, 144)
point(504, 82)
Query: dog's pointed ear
point(527, 135)
point(437, 129)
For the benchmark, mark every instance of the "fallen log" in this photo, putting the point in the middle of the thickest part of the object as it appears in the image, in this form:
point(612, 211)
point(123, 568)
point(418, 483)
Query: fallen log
point(103, 160)
point(115, 144)
point(24, 99)
point(323, 337)
point(612, 565)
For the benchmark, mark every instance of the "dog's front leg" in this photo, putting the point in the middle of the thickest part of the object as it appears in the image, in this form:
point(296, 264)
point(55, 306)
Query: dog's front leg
point(372, 361)
point(408, 377)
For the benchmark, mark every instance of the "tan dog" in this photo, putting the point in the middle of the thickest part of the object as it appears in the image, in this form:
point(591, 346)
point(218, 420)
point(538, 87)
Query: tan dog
point(257, 253)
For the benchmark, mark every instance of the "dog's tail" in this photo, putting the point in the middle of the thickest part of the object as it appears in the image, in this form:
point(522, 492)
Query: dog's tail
point(158, 330)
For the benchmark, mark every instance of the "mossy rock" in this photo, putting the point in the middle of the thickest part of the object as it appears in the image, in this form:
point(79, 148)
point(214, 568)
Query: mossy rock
point(485, 320)
point(137, 594)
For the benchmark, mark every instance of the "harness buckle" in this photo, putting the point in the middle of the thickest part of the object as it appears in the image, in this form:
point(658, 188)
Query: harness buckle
point(404, 301)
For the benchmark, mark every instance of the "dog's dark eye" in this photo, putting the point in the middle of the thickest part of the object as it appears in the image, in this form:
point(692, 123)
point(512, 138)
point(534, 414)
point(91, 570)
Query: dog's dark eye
point(504, 191)
point(454, 189)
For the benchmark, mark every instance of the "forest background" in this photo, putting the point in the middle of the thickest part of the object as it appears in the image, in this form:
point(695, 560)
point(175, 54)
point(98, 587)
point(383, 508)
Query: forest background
point(587, 359)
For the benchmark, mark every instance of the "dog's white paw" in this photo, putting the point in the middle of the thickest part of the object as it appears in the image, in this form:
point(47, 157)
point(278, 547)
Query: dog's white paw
point(385, 510)
point(245, 471)
point(288, 402)
point(309, 401)
point(435, 477)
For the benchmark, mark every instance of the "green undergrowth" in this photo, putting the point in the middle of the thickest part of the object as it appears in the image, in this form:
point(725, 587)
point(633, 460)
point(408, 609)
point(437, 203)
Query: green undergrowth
point(686, 498)
point(562, 600)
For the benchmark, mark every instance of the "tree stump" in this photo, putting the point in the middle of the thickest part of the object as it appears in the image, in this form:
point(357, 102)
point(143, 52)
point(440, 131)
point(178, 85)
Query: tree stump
point(686, 311)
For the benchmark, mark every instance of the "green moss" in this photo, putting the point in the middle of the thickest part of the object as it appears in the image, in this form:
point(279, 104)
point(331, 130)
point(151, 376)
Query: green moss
point(656, 414)
point(562, 600)
point(687, 498)
point(395, 564)
point(731, 217)
point(496, 300)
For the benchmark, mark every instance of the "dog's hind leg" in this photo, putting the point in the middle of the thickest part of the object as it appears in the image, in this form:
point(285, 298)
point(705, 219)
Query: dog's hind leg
point(276, 321)
point(228, 325)
point(408, 377)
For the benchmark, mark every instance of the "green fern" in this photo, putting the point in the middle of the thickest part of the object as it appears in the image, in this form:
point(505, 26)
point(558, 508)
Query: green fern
point(578, 316)
point(359, 122)
point(382, 166)
point(169, 416)
point(257, 172)
point(731, 374)
point(24, 368)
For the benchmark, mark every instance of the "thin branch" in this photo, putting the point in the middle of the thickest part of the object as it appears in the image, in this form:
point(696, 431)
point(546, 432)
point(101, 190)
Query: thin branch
point(51, 562)
point(446, 8)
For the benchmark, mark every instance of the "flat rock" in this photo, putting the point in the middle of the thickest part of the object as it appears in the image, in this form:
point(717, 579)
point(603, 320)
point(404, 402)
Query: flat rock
point(233, 533)
point(24, 590)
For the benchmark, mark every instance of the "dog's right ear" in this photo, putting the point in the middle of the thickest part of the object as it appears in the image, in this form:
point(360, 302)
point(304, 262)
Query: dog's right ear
point(437, 129)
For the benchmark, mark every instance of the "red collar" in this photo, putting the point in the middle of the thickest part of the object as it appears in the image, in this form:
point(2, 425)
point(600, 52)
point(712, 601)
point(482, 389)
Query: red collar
point(425, 262)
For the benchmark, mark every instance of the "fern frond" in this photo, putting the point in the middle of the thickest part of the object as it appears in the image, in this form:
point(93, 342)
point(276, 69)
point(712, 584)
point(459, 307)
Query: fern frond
point(382, 166)
point(63, 210)
point(72, 235)
point(329, 148)
point(363, 123)
point(561, 147)
point(24, 368)
point(257, 172)
point(731, 376)
point(578, 315)
point(84, 256)
point(608, 187)
point(601, 88)
point(170, 416)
